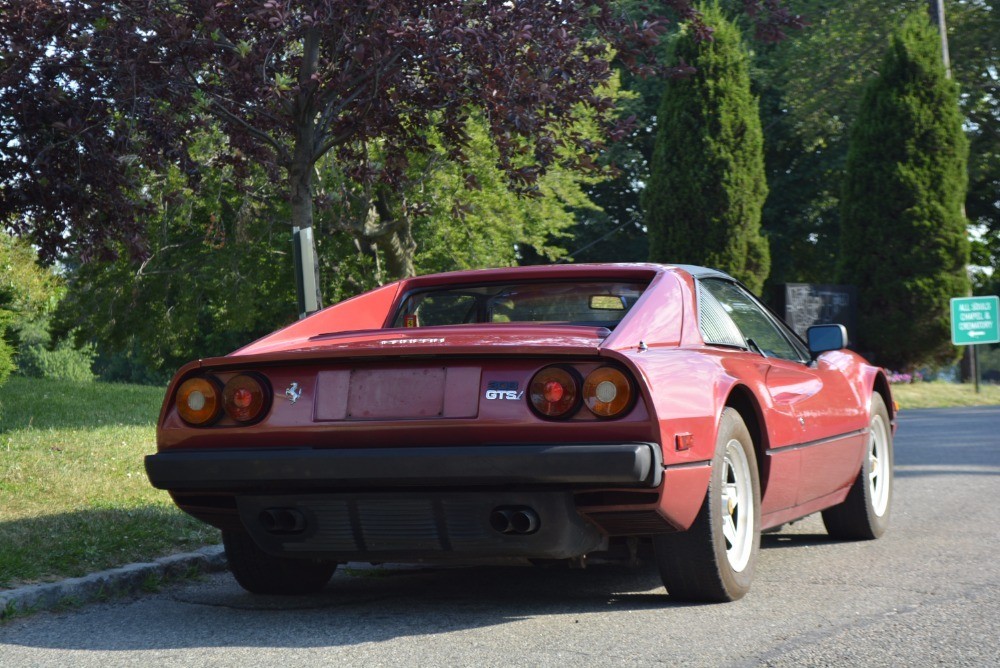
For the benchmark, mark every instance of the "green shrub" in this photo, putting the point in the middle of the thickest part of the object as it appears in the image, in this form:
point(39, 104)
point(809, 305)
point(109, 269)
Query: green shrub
point(28, 294)
point(128, 366)
point(63, 362)
point(6, 358)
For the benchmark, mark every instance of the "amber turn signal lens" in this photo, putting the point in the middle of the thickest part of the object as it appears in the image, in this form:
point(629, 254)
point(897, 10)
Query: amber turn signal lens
point(607, 392)
point(198, 401)
point(554, 392)
point(244, 398)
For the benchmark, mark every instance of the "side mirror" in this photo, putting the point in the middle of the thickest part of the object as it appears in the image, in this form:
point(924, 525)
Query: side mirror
point(826, 337)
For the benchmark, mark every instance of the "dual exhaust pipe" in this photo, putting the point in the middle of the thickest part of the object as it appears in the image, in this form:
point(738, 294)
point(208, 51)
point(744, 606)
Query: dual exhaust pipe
point(514, 520)
point(282, 520)
point(508, 520)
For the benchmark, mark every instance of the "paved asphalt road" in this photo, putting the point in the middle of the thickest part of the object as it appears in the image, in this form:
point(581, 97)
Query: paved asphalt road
point(928, 593)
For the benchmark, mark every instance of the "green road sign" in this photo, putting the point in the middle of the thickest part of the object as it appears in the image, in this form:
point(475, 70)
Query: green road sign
point(974, 320)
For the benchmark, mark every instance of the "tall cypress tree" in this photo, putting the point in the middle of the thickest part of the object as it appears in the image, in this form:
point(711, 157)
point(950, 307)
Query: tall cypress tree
point(707, 183)
point(903, 231)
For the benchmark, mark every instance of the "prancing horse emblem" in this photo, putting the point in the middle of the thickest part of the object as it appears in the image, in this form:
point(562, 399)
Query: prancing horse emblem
point(293, 392)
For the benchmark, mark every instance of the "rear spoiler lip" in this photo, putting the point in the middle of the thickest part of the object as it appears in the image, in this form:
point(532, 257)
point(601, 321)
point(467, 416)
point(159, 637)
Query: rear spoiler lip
point(306, 355)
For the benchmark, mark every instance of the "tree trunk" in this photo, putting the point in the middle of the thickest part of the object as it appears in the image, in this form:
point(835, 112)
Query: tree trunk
point(307, 284)
point(398, 255)
point(397, 244)
point(300, 187)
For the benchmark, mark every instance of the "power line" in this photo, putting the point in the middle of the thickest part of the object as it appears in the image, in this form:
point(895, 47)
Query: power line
point(573, 255)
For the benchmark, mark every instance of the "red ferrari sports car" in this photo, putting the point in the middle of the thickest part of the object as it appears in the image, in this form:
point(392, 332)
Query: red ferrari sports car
point(534, 412)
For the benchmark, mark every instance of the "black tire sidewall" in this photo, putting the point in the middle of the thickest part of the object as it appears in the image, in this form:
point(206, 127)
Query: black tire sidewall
point(855, 518)
point(731, 427)
point(261, 573)
point(878, 524)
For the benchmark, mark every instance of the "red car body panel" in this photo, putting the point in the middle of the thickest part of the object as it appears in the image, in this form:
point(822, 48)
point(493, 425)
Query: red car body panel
point(364, 386)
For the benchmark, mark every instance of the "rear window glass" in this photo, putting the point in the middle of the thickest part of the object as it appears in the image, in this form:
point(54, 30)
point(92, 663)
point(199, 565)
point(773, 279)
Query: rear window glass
point(593, 303)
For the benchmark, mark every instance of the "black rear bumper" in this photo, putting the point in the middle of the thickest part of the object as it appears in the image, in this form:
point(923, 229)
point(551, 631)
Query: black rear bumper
point(592, 464)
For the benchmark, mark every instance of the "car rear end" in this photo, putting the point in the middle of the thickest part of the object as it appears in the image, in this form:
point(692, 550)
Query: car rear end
point(536, 446)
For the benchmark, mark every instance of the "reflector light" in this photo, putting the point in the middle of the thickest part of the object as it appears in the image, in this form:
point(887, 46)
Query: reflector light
point(244, 398)
point(607, 392)
point(684, 442)
point(197, 401)
point(554, 392)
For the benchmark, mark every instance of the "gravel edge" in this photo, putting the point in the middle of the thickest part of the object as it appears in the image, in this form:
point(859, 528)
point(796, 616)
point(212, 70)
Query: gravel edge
point(122, 581)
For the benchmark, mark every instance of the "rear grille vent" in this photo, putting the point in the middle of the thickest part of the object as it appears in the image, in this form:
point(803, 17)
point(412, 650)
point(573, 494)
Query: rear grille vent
point(377, 527)
point(632, 523)
point(385, 525)
point(616, 498)
point(382, 524)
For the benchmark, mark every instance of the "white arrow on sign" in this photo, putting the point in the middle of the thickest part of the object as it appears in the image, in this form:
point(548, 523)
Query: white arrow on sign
point(975, 334)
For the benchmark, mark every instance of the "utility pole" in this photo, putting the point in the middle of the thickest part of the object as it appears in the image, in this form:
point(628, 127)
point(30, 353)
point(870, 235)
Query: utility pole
point(969, 365)
point(936, 8)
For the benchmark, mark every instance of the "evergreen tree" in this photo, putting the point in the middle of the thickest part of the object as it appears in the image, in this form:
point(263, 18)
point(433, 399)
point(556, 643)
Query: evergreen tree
point(707, 183)
point(903, 231)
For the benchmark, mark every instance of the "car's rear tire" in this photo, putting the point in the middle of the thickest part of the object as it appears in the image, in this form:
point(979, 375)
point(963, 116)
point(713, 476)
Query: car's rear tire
point(864, 514)
point(714, 560)
point(261, 573)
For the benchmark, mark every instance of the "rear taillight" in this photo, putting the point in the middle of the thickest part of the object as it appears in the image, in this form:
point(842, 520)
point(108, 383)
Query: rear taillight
point(555, 392)
point(244, 398)
point(607, 392)
point(198, 401)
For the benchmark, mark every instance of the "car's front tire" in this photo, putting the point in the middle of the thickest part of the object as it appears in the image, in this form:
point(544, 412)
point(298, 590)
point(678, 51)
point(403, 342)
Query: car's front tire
point(714, 560)
point(261, 573)
point(864, 514)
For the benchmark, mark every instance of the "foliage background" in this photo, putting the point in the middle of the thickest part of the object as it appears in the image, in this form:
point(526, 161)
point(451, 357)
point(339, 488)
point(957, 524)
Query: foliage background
point(218, 264)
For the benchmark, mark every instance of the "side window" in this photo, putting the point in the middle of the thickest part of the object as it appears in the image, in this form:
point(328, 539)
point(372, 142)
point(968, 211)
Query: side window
point(752, 321)
point(440, 309)
point(716, 325)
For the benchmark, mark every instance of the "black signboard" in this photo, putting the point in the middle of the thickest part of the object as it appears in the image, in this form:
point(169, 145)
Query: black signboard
point(803, 305)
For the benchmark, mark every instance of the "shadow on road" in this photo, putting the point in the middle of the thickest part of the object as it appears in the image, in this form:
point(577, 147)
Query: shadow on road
point(374, 604)
point(356, 608)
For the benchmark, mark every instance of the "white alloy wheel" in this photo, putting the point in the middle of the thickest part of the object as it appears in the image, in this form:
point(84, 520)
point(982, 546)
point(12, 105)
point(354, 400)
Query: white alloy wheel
point(737, 506)
point(879, 463)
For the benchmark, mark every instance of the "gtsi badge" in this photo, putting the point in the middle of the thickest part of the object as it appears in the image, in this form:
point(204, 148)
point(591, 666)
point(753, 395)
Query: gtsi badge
point(503, 389)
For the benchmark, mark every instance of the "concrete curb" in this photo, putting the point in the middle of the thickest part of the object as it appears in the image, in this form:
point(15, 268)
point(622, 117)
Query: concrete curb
point(121, 581)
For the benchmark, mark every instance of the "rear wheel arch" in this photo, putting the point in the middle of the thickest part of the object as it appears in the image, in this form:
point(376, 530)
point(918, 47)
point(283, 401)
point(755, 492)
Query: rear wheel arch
point(881, 386)
point(745, 403)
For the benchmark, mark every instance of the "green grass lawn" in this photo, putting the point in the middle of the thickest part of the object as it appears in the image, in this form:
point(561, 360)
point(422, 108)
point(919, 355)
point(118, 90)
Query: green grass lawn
point(74, 497)
point(942, 395)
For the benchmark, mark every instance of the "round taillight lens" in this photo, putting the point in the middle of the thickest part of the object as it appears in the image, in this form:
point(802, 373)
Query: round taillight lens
point(607, 392)
point(555, 392)
point(198, 401)
point(244, 398)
